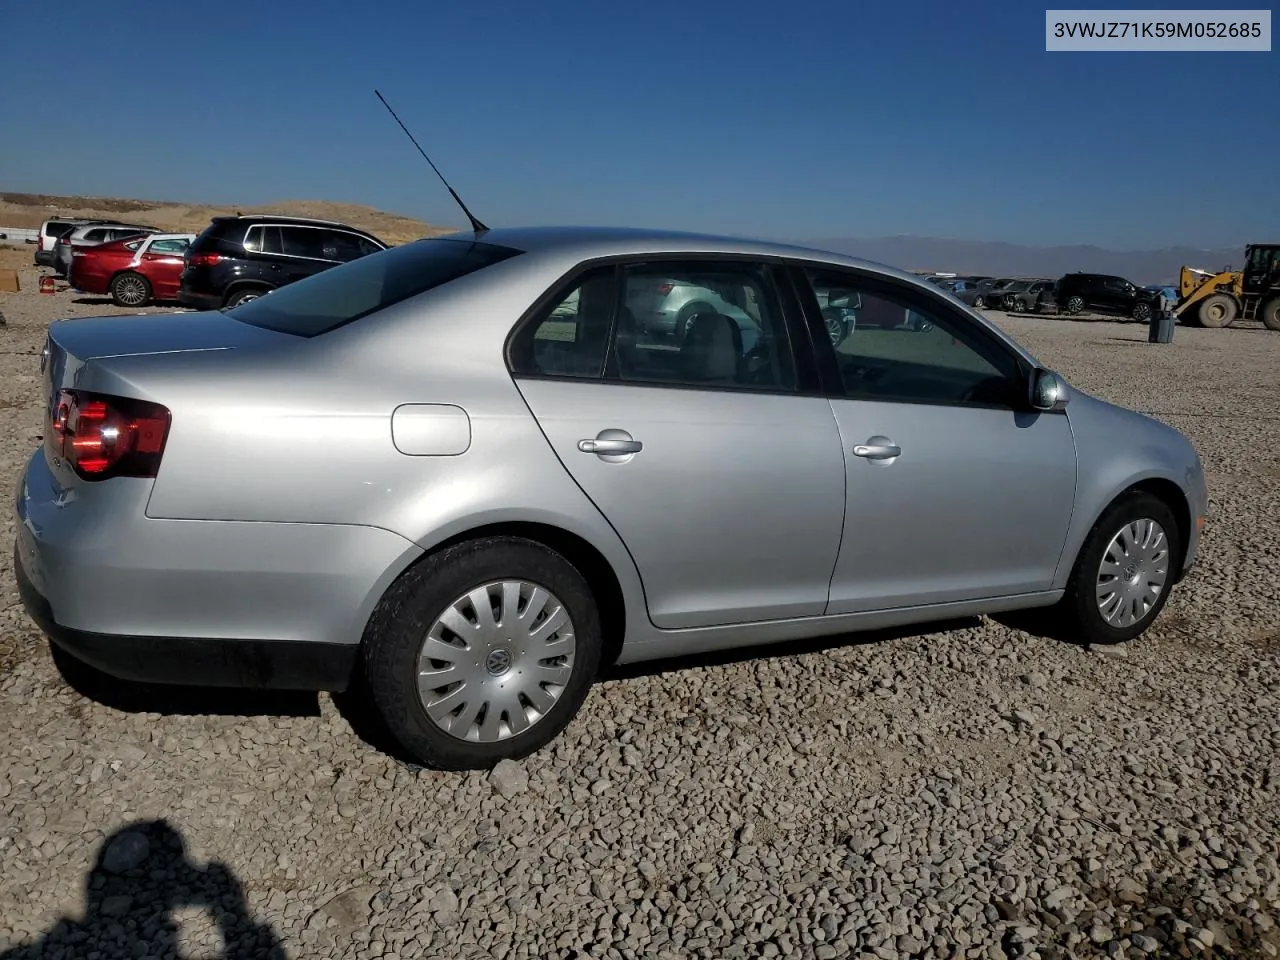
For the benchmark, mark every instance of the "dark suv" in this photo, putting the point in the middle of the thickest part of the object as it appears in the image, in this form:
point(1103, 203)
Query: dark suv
point(1103, 293)
point(239, 258)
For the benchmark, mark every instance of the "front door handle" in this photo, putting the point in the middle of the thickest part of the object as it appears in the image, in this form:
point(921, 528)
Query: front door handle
point(877, 448)
point(610, 447)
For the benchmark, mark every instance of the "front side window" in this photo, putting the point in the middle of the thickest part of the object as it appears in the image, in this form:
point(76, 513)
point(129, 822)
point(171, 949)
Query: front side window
point(899, 346)
point(702, 323)
point(342, 246)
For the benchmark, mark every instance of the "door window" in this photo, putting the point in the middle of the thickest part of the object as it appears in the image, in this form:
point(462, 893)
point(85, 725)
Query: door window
point(342, 246)
point(704, 324)
point(568, 337)
point(305, 242)
point(173, 247)
point(897, 345)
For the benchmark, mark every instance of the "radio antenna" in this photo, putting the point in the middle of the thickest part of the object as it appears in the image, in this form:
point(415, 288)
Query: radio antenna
point(476, 225)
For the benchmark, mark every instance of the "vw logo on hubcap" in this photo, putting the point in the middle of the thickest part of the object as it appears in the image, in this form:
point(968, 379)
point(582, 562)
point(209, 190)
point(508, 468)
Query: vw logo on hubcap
point(498, 662)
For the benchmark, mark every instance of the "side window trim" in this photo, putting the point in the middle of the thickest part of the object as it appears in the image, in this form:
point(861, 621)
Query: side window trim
point(972, 333)
point(774, 279)
point(538, 313)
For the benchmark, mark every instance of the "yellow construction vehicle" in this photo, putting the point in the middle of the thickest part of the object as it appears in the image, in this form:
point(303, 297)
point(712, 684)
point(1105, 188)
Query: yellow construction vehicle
point(1219, 299)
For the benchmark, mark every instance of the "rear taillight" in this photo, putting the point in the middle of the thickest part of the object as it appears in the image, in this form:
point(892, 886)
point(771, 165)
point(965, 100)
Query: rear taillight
point(203, 259)
point(664, 288)
point(101, 436)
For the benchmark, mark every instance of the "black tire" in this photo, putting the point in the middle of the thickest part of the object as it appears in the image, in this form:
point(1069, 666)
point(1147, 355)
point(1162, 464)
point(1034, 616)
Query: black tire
point(406, 612)
point(243, 295)
point(1078, 609)
point(979, 303)
point(1141, 311)
point(1216, 310)
point(130, 290)
point(837, 328)
point(1270, 314)
point(687, 313)
point(1074, 305)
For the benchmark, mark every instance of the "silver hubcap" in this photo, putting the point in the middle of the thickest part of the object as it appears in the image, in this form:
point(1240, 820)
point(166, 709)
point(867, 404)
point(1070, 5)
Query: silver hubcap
point(834, 330)
point(496, 661)
point(131, 291)
point(1133, 572)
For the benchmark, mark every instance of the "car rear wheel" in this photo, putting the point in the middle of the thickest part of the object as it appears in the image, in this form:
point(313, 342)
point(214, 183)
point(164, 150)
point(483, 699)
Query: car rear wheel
point(1124, 572)
point(482, 652)
point(979, 303)
point(130, 290)
point(1270, 314)
point(1141, 312)
point(1075, 305)
point(244, 296)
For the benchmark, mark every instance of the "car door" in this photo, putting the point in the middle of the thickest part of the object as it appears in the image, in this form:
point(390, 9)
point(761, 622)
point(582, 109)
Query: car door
point(163, 261)
point(956, 490)
point(719, 465)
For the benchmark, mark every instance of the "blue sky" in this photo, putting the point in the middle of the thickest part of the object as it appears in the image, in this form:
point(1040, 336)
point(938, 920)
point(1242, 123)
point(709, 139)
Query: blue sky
point(793, 120)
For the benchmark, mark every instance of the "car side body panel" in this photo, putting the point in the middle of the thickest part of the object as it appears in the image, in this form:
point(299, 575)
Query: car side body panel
point(1116, 450)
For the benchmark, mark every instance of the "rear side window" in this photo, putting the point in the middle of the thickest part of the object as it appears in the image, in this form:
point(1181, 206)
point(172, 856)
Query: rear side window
point(304, 242)
point(95, 236)
point(342, 294)
point(58, 229)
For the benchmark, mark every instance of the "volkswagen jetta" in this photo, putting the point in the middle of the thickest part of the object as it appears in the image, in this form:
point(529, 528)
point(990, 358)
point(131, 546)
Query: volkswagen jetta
point(460, 474)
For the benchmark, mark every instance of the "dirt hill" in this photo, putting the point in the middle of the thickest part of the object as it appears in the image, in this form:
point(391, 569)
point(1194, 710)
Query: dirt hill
point(32, 209)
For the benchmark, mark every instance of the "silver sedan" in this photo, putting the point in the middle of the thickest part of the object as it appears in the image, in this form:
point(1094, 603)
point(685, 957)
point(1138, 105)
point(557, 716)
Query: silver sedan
point(461, 476)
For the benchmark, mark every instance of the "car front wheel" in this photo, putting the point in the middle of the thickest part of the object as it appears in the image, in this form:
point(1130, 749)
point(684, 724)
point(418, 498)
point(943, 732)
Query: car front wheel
point(1142, 312)
point(1124, 572)
point(482, 652)
point(1075, 305)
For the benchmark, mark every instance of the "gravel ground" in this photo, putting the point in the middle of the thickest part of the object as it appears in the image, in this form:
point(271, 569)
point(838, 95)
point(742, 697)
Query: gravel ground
point(976, 791)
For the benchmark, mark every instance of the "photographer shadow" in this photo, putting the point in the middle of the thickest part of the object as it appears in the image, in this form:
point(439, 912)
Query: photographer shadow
point(142, 876)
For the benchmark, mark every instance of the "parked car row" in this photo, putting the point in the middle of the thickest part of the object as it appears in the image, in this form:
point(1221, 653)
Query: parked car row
point(235, 259)
point(1072, 294)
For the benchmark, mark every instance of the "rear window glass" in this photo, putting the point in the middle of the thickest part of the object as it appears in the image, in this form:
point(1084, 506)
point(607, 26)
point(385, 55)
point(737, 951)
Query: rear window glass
point(341, 294)
point(58, 229)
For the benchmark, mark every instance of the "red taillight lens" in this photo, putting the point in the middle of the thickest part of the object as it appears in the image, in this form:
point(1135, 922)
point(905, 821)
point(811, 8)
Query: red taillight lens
point(101, 436)
point(204, 259)
point(664, 288)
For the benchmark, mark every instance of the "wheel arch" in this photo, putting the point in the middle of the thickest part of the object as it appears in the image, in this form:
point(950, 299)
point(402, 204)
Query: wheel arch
point(1162, 488)
point(589, 561)
point(235, 286)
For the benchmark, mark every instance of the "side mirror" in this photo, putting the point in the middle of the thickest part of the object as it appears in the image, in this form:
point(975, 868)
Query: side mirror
point(1048, 391)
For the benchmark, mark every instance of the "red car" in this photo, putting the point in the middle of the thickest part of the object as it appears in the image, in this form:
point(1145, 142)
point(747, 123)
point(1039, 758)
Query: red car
point(135, 271)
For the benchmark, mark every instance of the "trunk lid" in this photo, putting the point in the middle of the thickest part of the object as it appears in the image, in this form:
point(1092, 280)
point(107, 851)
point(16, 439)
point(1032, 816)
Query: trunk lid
point(93, 338)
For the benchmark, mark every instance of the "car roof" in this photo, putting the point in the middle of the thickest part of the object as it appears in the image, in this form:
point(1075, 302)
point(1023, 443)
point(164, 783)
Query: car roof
point(281, 218)
point(586, 243)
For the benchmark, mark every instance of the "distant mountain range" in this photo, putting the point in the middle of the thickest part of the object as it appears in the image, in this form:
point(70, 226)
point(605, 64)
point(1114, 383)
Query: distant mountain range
point(1009, 259)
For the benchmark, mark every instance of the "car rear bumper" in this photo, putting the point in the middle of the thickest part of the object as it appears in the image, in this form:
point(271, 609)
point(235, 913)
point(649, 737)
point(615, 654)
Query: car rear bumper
point(197, 661)
point(207, 603)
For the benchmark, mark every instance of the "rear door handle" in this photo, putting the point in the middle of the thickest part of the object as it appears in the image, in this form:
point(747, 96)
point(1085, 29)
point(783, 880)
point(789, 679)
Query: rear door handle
point(610, 447)
point(877, 448)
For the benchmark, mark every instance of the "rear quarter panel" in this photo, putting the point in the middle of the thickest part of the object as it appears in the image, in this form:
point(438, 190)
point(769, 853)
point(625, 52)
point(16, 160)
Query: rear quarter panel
point(301, 432)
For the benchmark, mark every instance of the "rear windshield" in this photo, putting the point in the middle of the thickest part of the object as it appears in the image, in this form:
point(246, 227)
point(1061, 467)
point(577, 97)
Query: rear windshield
point(57, 229)
point(339, 295)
